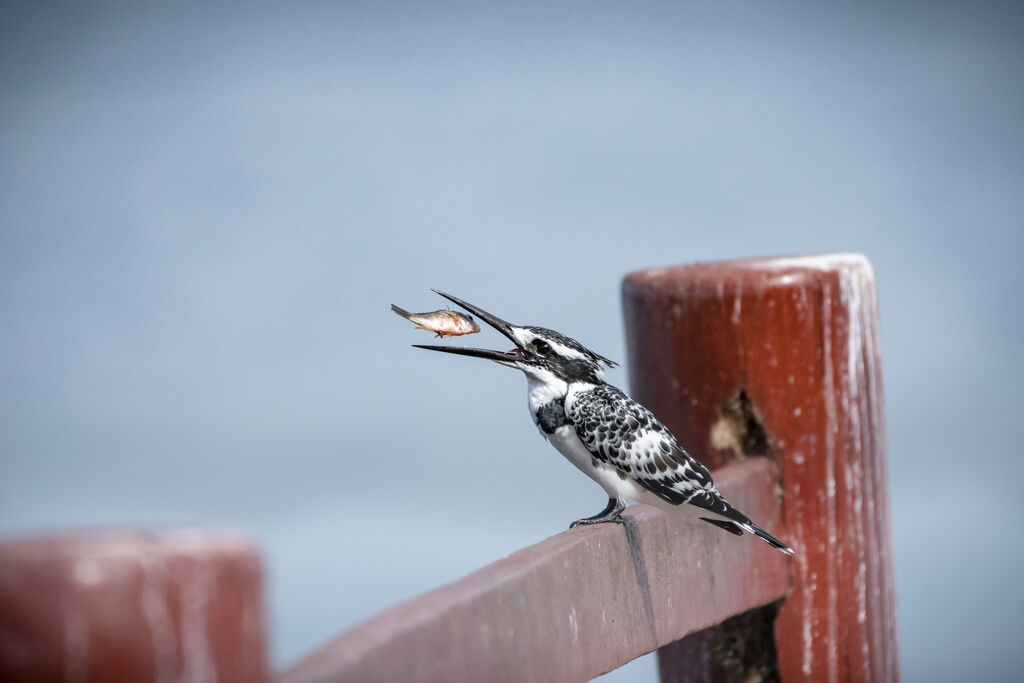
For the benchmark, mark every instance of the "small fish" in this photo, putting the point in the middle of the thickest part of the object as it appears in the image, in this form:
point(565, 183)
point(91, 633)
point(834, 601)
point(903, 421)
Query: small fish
point(445, 323)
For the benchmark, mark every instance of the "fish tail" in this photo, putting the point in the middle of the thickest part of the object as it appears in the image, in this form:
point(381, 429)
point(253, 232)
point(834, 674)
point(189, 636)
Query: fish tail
point(402, 312)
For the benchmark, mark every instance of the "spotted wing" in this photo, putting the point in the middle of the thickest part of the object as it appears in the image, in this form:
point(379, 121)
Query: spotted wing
point(619, 431)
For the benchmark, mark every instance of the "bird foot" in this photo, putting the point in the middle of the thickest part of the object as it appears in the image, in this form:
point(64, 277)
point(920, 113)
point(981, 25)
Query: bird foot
point(617, 519)
point(611, 513)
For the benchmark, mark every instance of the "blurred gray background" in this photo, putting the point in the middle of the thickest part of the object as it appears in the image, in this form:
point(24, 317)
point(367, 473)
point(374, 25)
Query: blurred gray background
point(206, 212)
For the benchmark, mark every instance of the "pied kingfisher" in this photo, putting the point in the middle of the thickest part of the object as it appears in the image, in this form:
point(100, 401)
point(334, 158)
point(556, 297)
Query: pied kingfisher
point(610, 437)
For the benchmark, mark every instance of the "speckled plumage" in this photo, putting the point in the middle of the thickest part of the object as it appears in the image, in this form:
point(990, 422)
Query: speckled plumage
point(620, 431)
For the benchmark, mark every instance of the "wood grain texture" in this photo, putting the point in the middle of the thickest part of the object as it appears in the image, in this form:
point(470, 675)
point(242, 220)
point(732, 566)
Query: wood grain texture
point(797, 340)
point(574, 606)
point(170, 606)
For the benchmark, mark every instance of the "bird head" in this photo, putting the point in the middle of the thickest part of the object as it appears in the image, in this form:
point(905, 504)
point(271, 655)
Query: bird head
point(539, 352)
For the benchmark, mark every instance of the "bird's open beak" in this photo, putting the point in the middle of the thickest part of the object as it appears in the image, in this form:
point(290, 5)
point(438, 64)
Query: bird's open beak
point(516, 354)
point(500, 356)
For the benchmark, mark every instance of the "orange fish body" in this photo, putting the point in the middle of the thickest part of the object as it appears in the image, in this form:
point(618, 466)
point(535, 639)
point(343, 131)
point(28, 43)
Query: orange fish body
point(444, 323)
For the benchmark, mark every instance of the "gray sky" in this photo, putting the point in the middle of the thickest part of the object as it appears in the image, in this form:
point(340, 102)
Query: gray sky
point(206, 212)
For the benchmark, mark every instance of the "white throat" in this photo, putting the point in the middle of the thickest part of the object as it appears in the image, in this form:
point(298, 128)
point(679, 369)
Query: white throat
point(543, 387)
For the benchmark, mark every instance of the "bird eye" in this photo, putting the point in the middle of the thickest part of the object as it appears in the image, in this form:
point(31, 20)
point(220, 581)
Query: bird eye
point(541, 347)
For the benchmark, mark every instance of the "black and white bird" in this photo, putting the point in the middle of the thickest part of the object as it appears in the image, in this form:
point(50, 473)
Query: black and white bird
point(607, 435)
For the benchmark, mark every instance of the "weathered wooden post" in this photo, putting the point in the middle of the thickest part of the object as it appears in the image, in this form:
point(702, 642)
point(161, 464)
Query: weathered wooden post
point(170, 606)
point(780, 358)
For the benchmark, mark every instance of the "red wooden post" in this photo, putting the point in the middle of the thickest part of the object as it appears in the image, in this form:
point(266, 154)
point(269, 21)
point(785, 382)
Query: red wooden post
point(131, 607)
point(780, 357)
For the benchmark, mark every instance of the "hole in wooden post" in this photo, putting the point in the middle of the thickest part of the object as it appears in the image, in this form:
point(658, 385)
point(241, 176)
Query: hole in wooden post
point(738, 431)
point(739, 650)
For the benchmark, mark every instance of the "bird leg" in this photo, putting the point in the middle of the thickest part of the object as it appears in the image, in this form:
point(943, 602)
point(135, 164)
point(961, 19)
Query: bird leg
point(611, 513)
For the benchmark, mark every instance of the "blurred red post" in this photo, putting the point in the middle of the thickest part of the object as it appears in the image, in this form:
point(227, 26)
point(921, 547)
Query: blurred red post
point(175, 606)
point(780, 358)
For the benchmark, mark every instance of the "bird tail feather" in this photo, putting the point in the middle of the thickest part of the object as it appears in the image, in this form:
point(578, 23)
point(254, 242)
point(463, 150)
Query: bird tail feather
point(731, 527)
point(766, 537)
point(713, 502)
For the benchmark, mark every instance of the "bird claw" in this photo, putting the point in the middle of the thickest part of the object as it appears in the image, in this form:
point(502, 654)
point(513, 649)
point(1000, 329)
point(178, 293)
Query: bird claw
point(611, 513)
point(617, 519)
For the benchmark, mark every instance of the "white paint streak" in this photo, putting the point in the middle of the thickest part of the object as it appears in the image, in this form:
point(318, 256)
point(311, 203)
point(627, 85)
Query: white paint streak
point(89, 572)
point(195, 641)
point(822, 262)
point(76, 648)
point(831, 635)
point(158, 617)
point(862, 608)
point(855, 282)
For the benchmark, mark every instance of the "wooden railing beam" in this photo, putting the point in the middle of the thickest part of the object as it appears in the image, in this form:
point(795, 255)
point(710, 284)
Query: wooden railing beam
point(576, 605)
